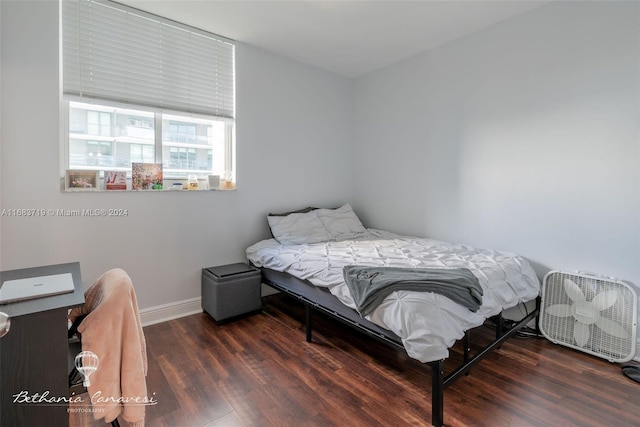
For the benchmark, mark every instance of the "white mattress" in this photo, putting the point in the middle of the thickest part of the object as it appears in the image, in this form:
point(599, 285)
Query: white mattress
point(428, 324)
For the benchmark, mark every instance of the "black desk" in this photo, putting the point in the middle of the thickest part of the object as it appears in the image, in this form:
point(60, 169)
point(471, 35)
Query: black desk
point(33, 355)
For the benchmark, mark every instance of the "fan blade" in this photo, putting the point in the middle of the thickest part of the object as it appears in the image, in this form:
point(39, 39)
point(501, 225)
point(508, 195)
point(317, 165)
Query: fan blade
point(604, 300)
point(573, 291)
point(559, 310)
point(612, 328)
point(581, 333)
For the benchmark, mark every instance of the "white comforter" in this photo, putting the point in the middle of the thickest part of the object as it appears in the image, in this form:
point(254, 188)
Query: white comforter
point(428, 323)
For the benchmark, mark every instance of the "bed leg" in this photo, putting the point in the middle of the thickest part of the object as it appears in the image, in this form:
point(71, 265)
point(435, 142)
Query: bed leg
point(437, 393)
point(537, 319)
point(499, 325)
point(309, 320)
point(467, 346)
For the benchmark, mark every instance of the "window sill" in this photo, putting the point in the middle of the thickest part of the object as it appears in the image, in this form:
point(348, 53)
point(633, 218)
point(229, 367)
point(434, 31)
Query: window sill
point(174, 185)
point(167, 190)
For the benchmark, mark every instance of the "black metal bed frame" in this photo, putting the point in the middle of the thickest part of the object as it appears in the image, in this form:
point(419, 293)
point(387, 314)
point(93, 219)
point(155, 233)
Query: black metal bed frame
point(316, 298)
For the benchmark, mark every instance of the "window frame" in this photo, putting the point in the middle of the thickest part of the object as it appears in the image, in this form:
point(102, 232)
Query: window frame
point(215, 101)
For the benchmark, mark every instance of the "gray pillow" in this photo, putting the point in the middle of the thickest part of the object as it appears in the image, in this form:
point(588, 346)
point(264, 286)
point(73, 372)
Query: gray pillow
point(341, 223)
point(298, 228)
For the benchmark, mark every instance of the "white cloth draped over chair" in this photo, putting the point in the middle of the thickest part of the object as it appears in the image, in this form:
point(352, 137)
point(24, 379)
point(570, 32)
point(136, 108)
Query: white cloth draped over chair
point(113, 332)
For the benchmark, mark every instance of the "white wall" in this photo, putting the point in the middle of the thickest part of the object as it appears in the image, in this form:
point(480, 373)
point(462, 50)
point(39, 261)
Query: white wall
point(522, 137)
point(294, 130)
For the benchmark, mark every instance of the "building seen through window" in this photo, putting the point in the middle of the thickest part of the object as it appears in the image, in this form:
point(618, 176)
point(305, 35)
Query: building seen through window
point(109, 138)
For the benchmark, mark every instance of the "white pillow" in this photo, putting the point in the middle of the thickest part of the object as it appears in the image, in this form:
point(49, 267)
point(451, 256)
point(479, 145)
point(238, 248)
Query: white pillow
point(341, 223)
point(298, 228)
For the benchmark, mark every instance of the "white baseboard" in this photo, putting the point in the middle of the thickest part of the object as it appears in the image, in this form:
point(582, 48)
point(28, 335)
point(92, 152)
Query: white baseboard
point(174, 310)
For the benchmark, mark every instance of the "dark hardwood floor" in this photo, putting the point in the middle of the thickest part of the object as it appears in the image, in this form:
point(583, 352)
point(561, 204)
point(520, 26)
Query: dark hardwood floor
point(259, 371)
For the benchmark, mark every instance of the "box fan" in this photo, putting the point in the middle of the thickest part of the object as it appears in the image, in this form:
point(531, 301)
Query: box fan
point(592, 314)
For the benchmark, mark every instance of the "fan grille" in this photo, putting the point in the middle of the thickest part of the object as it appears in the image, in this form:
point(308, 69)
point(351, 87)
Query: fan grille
point(562, 329)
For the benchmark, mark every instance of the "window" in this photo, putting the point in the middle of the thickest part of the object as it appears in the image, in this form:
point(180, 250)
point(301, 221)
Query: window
point(112, 138)
point(170, 103)
point(99, 153)
point(182, 132)
point(139, 153)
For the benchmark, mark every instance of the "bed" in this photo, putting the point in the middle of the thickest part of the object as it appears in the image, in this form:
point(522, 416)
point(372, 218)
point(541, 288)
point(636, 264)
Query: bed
point(311, 250)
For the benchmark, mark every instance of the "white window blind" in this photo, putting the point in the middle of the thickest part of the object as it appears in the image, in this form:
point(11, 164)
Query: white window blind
point(116, 53)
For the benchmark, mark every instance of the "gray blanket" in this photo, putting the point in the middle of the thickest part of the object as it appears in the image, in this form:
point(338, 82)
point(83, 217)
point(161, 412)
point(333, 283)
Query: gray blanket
point(370, 285)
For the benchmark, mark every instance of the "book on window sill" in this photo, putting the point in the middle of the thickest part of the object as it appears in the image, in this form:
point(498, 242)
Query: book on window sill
point(146, 176)
point(115, 180)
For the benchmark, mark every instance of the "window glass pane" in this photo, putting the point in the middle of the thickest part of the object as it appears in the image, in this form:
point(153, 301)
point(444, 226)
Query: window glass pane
point(99, 153)
point(139, 153)
point(148, 154)
point(112, 138)
point(192, 145)
point(105, 124)
point(108, 138)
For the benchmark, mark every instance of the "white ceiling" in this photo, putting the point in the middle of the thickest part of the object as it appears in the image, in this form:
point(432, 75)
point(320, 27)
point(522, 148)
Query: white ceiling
point(350, 38)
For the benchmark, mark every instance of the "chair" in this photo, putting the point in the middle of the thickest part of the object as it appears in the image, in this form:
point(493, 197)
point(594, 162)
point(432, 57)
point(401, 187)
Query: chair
point(76, 379)
point(107, 327)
